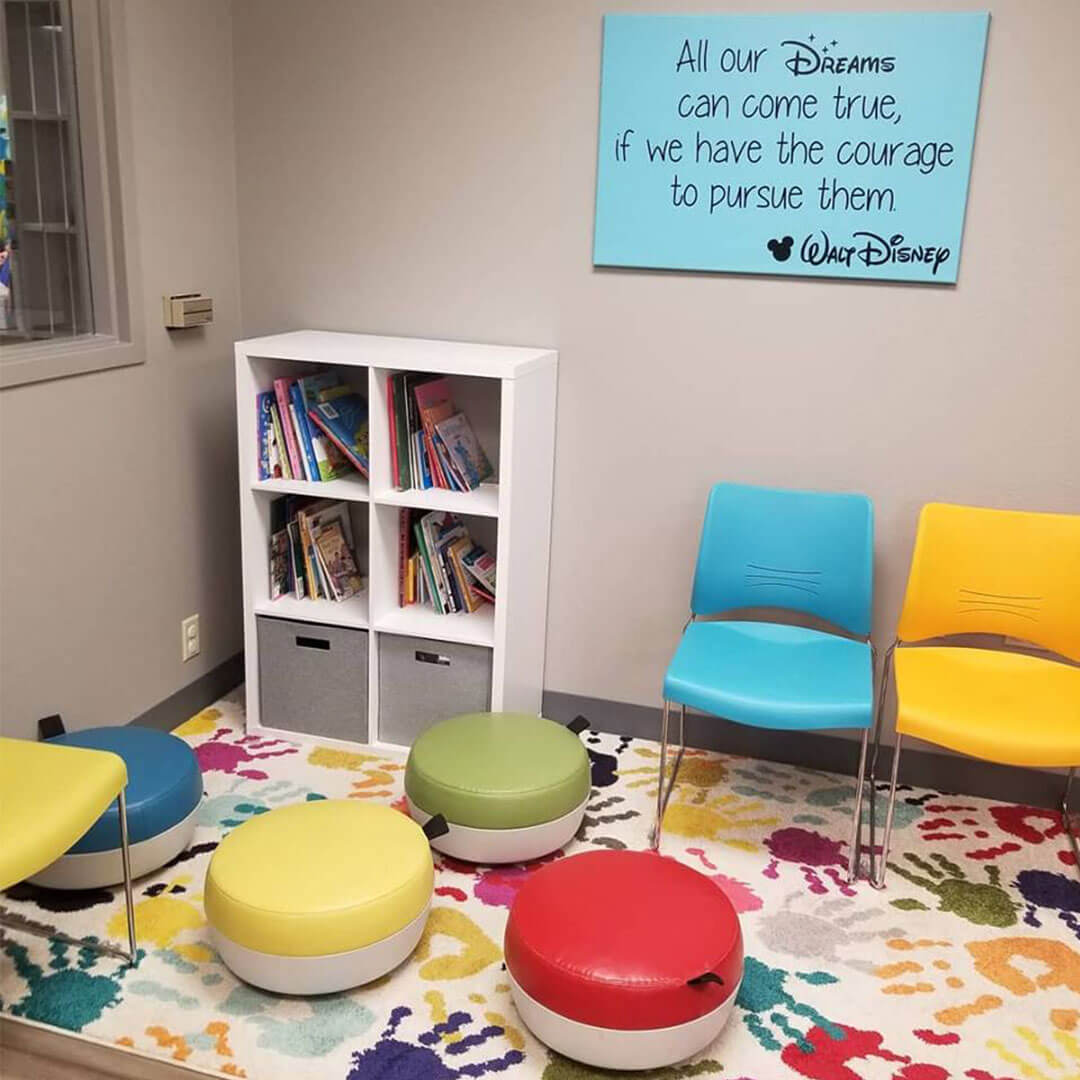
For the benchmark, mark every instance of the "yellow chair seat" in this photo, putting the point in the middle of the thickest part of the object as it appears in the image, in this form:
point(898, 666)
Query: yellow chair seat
point(1006, 707)
point(318, 878)
point(49, 797)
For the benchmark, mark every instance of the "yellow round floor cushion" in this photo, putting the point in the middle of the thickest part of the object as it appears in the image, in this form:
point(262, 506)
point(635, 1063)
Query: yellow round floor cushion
point(319, 878)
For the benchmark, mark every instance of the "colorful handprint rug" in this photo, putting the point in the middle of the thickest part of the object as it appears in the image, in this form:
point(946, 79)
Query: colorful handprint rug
point(967, 966)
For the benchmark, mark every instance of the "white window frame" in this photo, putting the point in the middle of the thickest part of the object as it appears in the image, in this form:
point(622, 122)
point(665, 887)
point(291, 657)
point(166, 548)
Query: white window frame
point(105, 138)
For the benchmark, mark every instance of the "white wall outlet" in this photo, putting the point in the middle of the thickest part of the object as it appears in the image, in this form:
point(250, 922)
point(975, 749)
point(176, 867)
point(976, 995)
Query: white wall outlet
point(190, 646)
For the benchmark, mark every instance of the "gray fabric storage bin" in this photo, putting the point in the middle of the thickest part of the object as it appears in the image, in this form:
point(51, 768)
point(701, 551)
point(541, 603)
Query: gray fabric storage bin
point(313, 679)
point(422, 681)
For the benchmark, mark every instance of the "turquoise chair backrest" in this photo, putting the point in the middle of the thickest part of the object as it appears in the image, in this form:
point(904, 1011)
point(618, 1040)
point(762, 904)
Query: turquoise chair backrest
point(805, 551)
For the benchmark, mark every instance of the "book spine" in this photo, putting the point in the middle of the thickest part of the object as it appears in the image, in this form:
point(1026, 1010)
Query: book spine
point(401, 432)
point(347, 451)
point(448, 465)
point(279, 438)
point(311, 466)
point(425, 562)
point(262, 406)
point(403, 553)
point(298, 579)
point(437, 478)
point(272, 446)
point(306, 547)
point(393, 429)
point(446, 603)
point(329, 585)
point(422, 462)
point(281, 390)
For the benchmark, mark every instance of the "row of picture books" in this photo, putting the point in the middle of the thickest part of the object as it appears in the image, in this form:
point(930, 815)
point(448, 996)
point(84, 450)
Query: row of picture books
point(312, 551)
point(314, 428)
point(432, 443)
point(440, 565)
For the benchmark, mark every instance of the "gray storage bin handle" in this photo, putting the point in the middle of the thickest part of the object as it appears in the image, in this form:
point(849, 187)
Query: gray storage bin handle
point(432, 658)
point(312, 642)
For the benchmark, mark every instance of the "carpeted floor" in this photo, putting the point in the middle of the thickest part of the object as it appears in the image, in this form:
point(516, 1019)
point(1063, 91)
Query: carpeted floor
point(967, 966)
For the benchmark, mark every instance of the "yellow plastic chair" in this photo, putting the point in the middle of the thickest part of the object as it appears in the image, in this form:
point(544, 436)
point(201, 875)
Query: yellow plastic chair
point(1002, 572)
point(49, 797)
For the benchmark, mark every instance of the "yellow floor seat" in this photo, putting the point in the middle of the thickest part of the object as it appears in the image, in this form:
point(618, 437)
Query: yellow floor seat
point(319, 896)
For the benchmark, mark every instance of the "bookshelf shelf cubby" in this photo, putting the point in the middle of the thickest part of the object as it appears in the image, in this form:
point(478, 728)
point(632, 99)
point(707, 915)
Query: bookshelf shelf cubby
point(508, 393)
point(484, 501)
point(349, 490)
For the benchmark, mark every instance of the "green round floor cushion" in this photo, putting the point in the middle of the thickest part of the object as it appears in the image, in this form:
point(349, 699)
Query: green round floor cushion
point(498, 771)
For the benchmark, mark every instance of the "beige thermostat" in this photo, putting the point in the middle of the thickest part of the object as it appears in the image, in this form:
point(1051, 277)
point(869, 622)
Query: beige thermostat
point(182, 310)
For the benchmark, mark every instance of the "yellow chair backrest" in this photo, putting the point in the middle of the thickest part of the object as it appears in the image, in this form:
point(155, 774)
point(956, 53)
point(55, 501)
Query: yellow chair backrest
point(981, 571)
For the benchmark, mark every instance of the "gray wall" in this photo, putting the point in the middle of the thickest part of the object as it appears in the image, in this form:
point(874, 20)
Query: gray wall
point(428, 169)
point(118, 489)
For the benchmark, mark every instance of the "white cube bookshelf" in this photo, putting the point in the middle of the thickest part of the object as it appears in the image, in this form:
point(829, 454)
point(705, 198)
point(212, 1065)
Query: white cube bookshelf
point(508, 393)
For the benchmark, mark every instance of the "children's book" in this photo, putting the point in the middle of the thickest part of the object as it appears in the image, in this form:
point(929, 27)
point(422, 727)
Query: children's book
point(405, 548)
point(338, 562)
point(299, 415)
point(281, 392)
point(279, 439)
point(392, 419)
point(464, 583)
point(314, 389)
point(304, 473)
point(272, 447)
point(422, 463)
point(482, 567)
point(464, 450)
point(279, 564)
point(425, 567)
point(344, 420)
point(434, 404)
point(448, 467)
point(296, 562)
point(401, 435)
point(262, 406)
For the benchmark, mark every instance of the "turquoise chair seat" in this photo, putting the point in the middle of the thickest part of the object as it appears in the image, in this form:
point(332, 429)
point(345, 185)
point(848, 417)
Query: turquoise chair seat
point(773, 676)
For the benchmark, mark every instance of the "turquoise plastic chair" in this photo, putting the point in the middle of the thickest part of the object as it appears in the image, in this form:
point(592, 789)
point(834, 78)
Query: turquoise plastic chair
point(799, 552)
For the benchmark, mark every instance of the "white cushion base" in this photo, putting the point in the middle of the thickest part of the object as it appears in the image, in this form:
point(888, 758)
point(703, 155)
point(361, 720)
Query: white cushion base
point(491, 846)
point(327, 974)
point(98, 869)
point(611, 1048)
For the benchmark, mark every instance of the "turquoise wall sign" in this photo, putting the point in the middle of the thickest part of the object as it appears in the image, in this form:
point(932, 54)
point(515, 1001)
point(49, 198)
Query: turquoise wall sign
point(832, 145)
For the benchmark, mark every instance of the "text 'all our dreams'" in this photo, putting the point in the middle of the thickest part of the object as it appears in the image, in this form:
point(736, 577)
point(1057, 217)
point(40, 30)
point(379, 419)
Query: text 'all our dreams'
point(834, 143)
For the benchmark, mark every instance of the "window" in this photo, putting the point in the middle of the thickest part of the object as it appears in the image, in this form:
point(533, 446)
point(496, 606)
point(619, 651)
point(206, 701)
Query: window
point(45, 275)
point(63, 302)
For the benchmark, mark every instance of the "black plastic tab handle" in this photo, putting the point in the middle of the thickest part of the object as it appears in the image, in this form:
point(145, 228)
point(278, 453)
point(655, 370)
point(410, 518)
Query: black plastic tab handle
point(578, 725)
point(50, 726)
point(707, 977)
point(435, 827)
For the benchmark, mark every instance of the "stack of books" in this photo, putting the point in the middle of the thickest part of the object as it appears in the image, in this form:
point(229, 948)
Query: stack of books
point(439, 564)
point(432, 443)
point(311, 550)
point(314, 428)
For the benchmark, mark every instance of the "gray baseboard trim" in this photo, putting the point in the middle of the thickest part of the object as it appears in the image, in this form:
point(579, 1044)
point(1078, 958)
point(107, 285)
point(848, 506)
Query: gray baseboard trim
point(190, 699)
point(829, 753)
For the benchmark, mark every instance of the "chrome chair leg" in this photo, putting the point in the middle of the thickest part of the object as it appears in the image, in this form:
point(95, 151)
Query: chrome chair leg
point(677, 763)
point(129, 899)
point(1067, 819)
point(856, 820)
point(879, 715)
point(880, 882)
point(654, 840)
point(14, 921)
point(663, 793)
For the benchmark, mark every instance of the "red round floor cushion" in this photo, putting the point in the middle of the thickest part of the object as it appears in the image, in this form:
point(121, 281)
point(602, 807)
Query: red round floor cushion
point(628, 940)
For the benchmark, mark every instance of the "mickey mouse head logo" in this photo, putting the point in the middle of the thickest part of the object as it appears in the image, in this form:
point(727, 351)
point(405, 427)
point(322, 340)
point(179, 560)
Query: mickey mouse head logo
point(781, 249)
